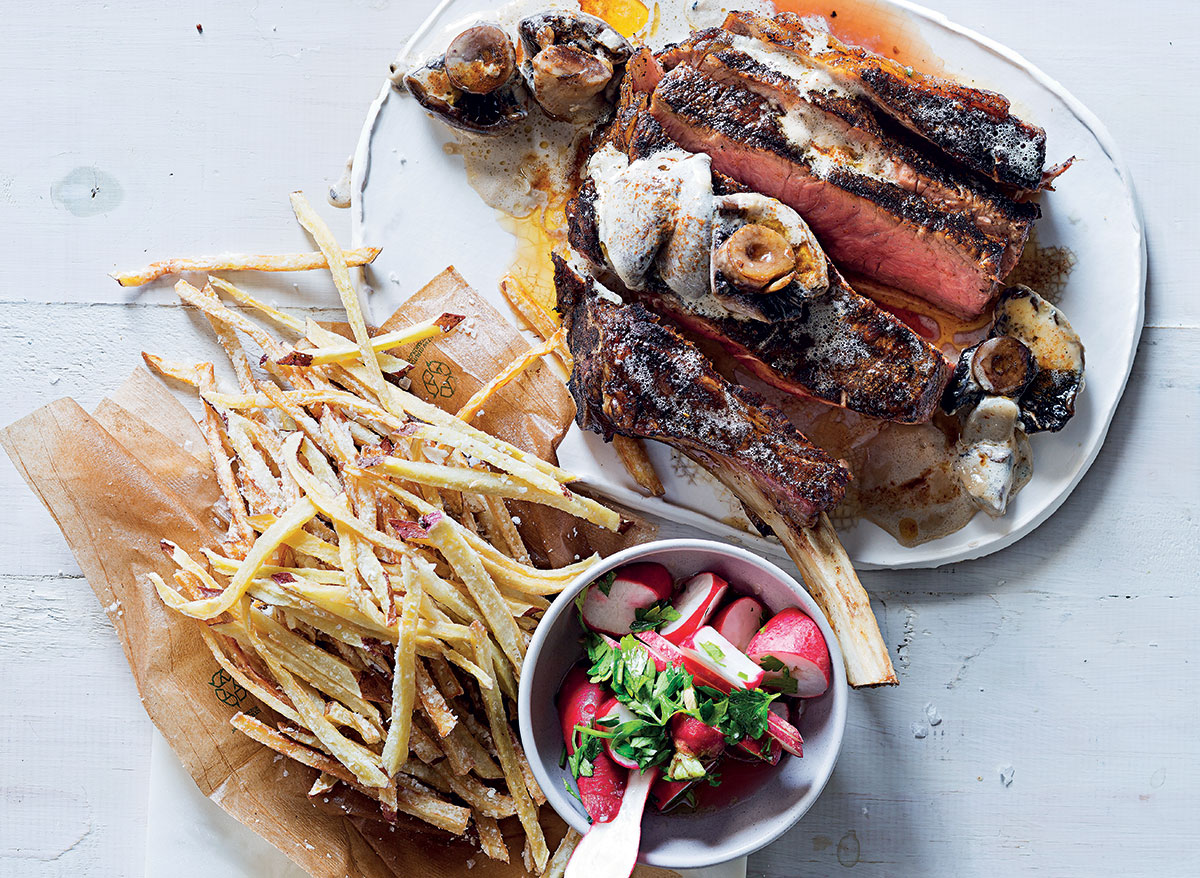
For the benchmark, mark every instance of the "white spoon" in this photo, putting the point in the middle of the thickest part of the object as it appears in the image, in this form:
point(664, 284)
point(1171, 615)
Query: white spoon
point(609, 850)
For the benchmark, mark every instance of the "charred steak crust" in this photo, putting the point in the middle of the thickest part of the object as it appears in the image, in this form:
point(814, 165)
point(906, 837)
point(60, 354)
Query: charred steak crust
point(635, 377)
point(971, 125)
point(840, 348)
point(583, 233)
point(705, 115)
point(996, 214)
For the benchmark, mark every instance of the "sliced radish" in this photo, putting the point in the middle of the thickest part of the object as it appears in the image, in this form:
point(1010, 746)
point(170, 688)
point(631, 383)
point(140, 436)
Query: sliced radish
point(669, 793)
point(709, 649)
point(696, 738)
point(613, 709)
point(603, 791)
point(578, 700)
point(696, 746)
point(793, 638)
point(739, 621)
point(665, 653)
point(634, 587)
point(786, 734)
point(700, 597)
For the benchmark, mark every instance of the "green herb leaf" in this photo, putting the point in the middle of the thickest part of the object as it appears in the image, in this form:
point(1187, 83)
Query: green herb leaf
point(653, 617)
point(713, 650)
point(571, 790)
point(784, 683)
point(746, 714)
point(605, 582)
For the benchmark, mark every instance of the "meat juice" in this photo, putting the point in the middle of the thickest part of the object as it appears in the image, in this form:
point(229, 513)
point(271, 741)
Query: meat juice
point(883, 29)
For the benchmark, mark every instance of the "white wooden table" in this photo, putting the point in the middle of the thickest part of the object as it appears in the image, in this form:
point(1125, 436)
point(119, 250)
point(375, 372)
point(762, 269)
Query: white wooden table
point(1046, 721)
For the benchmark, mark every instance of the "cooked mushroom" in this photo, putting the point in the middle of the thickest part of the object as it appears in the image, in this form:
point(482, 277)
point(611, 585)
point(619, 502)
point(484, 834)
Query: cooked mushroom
point(480, 59)
point(474, 86)
point(1049, 400)
point(1032, 356)
point(566, 80)
point(1003, 366)
point(570, 62)
point(756, 258)
point(989, 453)
point(800, 272)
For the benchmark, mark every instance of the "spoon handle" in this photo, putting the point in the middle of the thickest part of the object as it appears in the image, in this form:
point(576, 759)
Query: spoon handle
point(609, 850)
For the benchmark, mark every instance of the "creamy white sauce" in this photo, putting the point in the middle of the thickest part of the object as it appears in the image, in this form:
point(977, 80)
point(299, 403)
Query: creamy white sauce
point(791, 65)
point(339, 192)
point(988, 454)
point(657, 208)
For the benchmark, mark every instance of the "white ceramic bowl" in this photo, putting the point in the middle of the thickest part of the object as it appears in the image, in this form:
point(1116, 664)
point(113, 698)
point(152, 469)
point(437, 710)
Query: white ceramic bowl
point(687, 841)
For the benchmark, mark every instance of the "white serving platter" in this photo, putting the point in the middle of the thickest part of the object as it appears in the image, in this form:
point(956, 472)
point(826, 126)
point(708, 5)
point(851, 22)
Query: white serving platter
point(410, 196)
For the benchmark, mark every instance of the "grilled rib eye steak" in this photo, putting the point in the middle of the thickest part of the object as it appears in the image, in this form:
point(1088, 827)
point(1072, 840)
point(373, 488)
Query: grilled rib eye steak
point(838, 347)
point(973, 126)
point(635, 377)
point(864, 222)
point(848, 131)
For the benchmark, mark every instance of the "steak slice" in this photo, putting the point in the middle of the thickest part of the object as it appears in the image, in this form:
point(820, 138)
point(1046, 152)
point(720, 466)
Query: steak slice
point(839, 347)
point(635, 377)
point(973, 126)
point(847, 131)
point(865, 223)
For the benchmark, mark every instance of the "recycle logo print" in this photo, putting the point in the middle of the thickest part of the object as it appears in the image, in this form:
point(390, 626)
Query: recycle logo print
point(438, 379)
point(228, 690)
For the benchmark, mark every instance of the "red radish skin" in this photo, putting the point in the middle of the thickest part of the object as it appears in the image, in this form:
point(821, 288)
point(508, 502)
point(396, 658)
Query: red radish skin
point(578, 700)
point(664, 653)
point(796, 640)
point(739, 621)
point(700, 597)
point(709, 649)
point(696, 738)
point(654, 576)
point(668, 793)
point(603, 791)
point(635, 587)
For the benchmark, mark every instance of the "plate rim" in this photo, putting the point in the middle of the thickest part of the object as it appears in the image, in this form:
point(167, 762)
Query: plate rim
point(360, 172)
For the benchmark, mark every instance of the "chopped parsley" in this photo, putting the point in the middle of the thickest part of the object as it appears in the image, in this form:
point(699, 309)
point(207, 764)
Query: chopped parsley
point(605, 582)
point(784, 683)
point(653, 617)
point(654, 697)
point(714, 651)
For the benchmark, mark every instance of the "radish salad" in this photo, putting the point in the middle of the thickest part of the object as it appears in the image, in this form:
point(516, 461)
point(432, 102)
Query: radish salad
point(692, 682)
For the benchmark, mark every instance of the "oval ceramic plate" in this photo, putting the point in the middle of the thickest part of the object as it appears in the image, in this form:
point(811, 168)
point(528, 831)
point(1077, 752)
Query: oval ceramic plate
point(412, 198)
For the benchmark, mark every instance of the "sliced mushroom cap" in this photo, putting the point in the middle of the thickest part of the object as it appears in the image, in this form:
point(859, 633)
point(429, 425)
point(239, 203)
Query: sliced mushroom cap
point(566, 80)
point(563, 27)
point(480, 59)
point(570, 60)
point(1046, 392)
point(800, 272)
point(756, 258)
point(489, 113)
point(1003, 366)
point(1048, 402)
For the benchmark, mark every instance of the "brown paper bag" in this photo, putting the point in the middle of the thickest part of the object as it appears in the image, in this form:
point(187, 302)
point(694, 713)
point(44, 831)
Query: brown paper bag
point(137, 472)
point(532, 412)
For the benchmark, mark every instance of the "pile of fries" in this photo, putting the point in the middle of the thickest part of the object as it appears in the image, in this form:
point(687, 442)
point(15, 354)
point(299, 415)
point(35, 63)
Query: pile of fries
point(373, 589)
